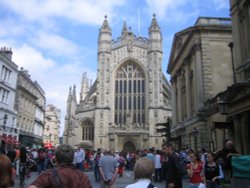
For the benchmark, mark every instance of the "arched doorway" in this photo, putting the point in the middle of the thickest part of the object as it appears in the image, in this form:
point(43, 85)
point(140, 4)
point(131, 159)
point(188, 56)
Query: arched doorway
point(129, 147)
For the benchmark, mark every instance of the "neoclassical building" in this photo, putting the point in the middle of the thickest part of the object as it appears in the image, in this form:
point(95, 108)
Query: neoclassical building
point(130, 96)
point(235, 100)
point(30, 105)
point(200, 65)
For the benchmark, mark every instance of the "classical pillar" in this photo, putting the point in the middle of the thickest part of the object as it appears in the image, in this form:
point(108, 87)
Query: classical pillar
point(237, 133)
point(179, 97)
point(188, 91)
point(173, 95)
point(245, 133)
point(198, 75)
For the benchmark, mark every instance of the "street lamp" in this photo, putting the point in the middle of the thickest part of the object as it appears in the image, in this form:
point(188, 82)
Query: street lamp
point(223, 107)
point(195, 134)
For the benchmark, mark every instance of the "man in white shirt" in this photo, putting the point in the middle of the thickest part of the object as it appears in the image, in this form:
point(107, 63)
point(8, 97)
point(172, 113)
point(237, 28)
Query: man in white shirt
point(143, 172)
point(80, 156)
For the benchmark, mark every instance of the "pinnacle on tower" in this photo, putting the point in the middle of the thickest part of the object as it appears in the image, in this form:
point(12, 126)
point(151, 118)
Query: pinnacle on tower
point(74, 93)
point(105, 26)
point(154, 24)
point(124, 29)
point(69, 95)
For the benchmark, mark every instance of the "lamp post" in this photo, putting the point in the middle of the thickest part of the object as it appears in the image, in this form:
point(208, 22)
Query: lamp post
point(195, 134)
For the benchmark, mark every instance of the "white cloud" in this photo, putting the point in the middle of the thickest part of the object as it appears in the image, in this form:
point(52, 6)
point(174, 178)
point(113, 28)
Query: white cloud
point(31, 59)
point(80, 11)
point(55, 44)
point(162, 7)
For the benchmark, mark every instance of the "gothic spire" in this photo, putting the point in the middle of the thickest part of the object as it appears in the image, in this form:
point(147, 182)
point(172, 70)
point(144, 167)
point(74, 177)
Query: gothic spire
point(69, 95)
point(105, 25)
point(124, 28)
point(74, 93)
point(84, 86)
point(154, 24)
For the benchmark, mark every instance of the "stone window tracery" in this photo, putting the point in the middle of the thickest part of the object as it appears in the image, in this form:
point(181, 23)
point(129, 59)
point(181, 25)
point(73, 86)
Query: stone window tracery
point(87, 130)
point(130, 80)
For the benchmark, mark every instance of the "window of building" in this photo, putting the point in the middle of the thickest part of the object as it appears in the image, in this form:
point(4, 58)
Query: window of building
point(4, 95)
point(87, 130)
point(5, 74)
point(131, 97)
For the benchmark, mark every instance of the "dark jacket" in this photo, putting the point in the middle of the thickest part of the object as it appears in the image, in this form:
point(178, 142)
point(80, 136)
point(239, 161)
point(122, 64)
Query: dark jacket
point(174, 171)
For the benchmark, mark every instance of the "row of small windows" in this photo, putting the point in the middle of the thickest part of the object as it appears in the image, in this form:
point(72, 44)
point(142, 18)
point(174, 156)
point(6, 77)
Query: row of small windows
point(124, 86)
point(127, 102)
point(123, 118)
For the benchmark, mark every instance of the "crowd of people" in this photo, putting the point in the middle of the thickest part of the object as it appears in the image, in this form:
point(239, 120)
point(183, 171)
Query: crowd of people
point(65, 166)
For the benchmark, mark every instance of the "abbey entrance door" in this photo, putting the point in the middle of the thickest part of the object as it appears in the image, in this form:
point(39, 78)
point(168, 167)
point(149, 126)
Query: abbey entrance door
point(129, 147)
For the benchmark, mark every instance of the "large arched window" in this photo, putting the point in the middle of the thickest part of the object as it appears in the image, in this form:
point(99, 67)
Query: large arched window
point(87, 130)
point(129, 94)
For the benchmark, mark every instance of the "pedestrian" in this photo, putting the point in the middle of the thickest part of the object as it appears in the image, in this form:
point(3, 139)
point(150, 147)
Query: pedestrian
point(121, 164)
point(6, 178)
point(65, 174)
point(212, 172)
point(22, 165)
point(174, 168)
point(42, 160)
point(157, 163)
point(108, 170)
point(3, 147)
point(97, 157)
point(143, 171)
point(225, 154)
point(195, 170)
point(80, 156)
point(12, 156)
point(204, 155)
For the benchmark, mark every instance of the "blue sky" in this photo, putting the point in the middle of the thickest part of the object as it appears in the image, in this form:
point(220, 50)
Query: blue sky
point(56, 40)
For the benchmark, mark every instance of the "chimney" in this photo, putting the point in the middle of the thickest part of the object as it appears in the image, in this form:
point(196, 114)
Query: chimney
point(7, 52)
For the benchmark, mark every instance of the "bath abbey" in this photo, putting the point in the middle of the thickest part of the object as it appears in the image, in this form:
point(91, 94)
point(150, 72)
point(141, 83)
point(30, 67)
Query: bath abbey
point(129, 97)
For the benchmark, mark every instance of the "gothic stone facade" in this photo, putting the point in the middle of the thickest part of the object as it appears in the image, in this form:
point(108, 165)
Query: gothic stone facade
point(130, 96)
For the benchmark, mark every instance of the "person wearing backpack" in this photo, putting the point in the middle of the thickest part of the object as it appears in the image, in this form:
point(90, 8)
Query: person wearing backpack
point(213, 172)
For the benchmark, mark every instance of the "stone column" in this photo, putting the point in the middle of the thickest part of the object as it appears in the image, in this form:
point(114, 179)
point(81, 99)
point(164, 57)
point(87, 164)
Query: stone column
point(173, 95)
point(179, 97)
point(237, 133)
point(188, 91)
point(245, 133)
point(198, 75)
